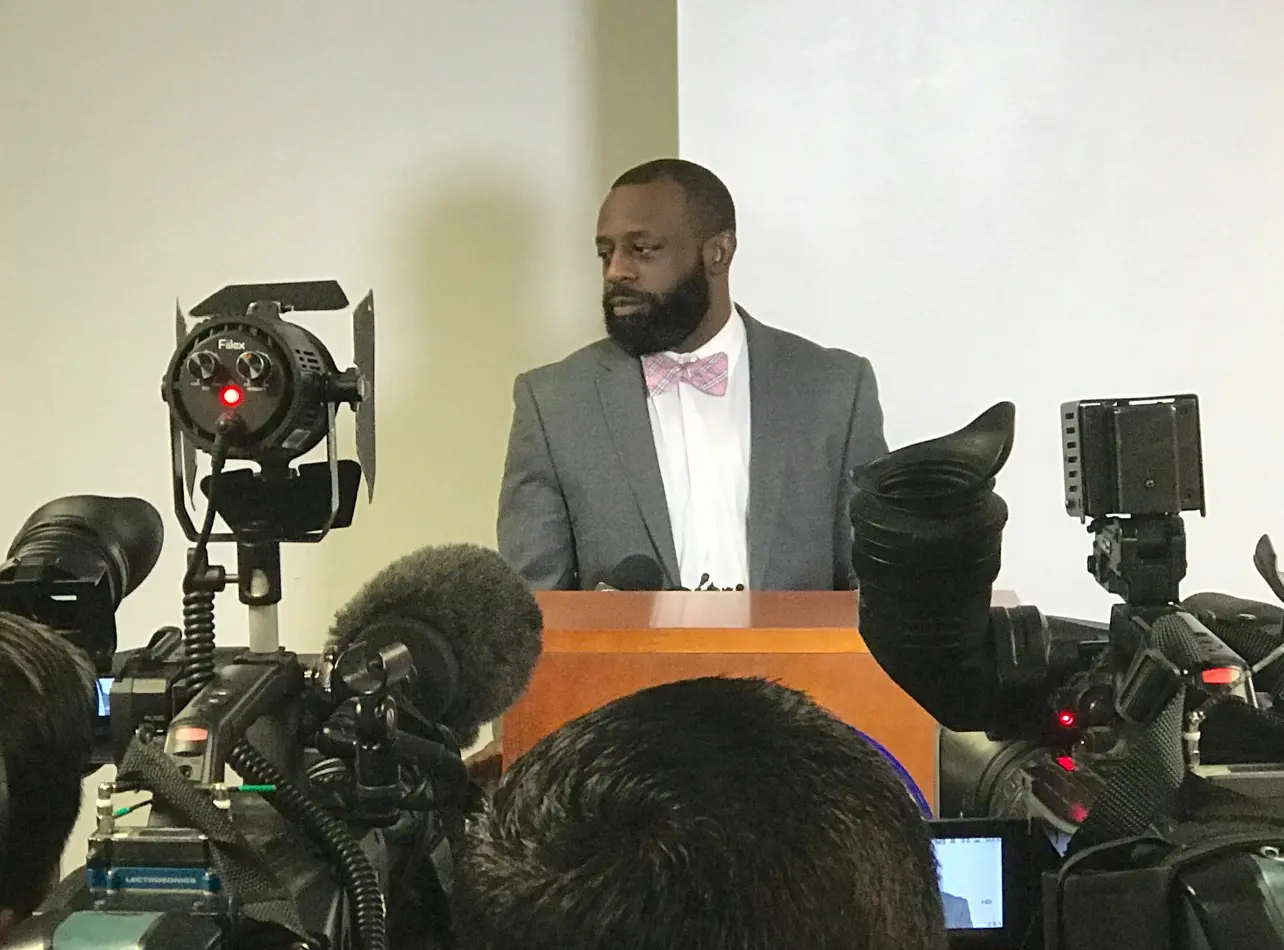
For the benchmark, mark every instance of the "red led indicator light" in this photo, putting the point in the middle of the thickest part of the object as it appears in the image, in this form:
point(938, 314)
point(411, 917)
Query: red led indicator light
point(1220, 676)
point(1066, 718)
point(231, 396)
point(1066, 762)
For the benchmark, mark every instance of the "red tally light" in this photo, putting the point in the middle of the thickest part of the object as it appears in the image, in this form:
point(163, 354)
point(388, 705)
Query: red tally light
point(1066, 718)
point(1220, 676)
point(231, 396)
point(1066, 762)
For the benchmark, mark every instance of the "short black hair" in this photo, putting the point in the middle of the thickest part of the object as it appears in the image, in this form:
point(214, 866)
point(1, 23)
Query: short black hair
point(704, 814)
point(47, 708)
point(705, 193)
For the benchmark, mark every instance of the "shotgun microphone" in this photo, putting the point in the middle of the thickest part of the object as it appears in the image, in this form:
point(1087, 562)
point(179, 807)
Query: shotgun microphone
point(469, 621)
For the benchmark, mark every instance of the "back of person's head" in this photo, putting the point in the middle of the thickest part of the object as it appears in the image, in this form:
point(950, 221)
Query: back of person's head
point(47, 706)
point(710, 814)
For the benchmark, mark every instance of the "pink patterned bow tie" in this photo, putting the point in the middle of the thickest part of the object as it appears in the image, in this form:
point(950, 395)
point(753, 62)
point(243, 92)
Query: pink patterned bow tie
point(709, 375)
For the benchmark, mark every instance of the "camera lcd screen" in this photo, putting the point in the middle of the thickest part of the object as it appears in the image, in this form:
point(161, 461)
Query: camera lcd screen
point(104, 695)
point(971, 882)
point(990, 871)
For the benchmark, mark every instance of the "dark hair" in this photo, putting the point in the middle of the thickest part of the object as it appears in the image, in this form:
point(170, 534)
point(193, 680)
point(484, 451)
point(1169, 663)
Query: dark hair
point(47, 707)
point(706, 195)
point(705, 814)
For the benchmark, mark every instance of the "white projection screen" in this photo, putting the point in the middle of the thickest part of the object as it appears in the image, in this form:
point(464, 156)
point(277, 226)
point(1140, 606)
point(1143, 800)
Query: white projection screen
point(1034, 200)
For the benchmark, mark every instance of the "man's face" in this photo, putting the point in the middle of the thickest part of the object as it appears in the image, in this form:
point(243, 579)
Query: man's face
point(655, 291)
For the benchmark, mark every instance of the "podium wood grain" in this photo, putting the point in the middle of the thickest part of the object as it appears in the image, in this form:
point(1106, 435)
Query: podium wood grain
point(601, 646)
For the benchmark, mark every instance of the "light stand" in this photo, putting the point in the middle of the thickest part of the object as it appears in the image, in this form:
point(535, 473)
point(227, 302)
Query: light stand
point(245, 384)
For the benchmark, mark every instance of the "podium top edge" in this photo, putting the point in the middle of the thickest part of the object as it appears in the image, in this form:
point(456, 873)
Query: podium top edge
point(656, 612)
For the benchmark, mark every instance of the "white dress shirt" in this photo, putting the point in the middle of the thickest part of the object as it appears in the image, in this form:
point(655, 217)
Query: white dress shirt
point(702, 444)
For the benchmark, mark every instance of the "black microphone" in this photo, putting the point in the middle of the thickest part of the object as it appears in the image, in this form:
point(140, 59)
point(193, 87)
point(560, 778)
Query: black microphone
point(469, 621)
point(635, 572)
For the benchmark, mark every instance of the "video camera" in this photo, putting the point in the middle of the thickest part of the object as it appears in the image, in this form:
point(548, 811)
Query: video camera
point(1132, 772)
point(334, 794)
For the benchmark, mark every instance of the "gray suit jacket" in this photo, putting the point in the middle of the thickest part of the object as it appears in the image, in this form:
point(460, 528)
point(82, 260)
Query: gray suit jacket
point(958, 913)
point(582, 488)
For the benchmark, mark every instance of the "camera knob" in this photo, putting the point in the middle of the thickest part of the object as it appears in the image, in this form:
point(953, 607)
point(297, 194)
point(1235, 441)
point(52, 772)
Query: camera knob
point(203, 365)
point(253, 366)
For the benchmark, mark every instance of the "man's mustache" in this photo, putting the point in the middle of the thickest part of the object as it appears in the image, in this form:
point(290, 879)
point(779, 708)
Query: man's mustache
point(617, 297)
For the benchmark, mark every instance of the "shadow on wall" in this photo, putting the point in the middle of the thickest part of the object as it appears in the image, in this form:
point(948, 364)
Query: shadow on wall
point(634, 82)
point(470, 304)
point(461, 317)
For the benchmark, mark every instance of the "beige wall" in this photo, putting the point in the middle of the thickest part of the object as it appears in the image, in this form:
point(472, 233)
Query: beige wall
point(450, 155)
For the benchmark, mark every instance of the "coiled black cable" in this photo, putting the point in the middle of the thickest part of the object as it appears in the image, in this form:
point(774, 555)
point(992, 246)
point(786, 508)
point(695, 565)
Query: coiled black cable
point(198, 595)
point(360, 880)
point(328, 772)
point(198, 641)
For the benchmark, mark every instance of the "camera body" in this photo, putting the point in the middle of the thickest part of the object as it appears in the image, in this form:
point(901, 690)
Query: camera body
point(172, 864)
point(1111, 740)
point(171, 877)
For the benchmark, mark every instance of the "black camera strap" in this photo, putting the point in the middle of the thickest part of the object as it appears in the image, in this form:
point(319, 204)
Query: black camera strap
point(252, 880)
point(1119, 894)
point(1143, 787)
point(1151, 821)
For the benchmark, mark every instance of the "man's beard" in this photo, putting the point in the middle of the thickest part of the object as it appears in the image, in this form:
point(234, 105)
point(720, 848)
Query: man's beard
point(663, 321)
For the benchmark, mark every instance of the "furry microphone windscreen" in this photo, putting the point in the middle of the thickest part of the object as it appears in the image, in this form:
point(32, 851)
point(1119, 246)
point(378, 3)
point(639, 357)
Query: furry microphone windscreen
point(637, 572)
point(477, 604)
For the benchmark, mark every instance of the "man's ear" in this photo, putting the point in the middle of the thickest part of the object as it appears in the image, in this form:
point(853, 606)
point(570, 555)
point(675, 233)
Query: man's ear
point(718, 252)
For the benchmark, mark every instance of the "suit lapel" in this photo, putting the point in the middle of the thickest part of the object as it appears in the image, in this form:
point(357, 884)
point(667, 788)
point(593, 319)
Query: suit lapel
point(621, 390)
point(770, 428)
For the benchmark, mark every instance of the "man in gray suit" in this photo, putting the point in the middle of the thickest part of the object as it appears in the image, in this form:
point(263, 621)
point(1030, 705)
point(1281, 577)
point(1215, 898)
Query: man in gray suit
point(718, 446)
point(958, 913)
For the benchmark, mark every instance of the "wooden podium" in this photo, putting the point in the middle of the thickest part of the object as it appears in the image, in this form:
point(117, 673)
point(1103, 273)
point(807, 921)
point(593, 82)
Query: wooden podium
point(599, 646)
